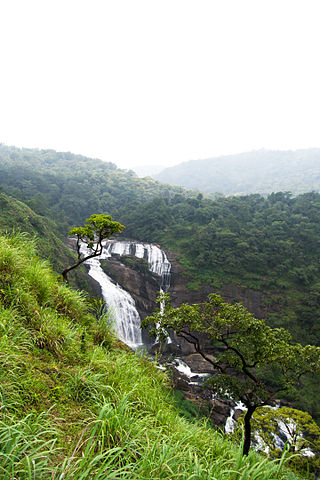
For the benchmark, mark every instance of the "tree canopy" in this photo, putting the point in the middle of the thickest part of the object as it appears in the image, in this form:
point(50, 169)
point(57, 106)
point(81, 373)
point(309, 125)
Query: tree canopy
point(254, 363)
point(98, 227)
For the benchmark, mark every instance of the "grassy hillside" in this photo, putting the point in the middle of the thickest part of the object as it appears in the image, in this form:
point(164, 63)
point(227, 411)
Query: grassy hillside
point(75, 403)
point(262, 171)
point(16, 216)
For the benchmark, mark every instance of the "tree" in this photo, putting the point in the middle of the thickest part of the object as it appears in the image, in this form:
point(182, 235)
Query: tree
point(98, 227)
point(253, 362)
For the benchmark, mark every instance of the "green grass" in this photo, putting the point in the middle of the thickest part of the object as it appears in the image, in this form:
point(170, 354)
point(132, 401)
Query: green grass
point(75, 403)
point(15, 216)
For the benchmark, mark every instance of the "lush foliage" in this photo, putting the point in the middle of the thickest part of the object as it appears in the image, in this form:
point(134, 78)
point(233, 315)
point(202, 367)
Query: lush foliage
point(262, 171)
point(247, 353)
point(268, 244)
point(76, 404)
point(15, 215)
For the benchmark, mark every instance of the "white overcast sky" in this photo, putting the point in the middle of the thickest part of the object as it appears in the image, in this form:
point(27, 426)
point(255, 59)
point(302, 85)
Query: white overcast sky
point(140, 82)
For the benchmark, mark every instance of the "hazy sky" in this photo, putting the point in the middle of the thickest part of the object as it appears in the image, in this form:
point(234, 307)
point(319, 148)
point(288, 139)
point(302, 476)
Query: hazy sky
point(137, 82)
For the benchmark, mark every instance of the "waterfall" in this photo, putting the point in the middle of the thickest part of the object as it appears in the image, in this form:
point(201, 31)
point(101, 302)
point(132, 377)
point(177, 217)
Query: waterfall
point(156, 258)
point(119, 302)
point(231, 422)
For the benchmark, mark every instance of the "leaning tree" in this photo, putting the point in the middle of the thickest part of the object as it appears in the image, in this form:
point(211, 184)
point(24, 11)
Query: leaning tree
point(90, 238)
point(254, 363)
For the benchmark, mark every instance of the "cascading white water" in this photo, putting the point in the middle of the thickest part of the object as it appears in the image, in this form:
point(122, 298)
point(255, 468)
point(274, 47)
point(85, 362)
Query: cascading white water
point(122, 305)
point(156, 258)
point(230, 422)
point(184, 368)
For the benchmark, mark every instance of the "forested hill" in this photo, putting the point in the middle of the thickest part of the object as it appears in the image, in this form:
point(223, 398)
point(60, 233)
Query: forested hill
point(262, 171)
point(266, 245)
point(69, 187)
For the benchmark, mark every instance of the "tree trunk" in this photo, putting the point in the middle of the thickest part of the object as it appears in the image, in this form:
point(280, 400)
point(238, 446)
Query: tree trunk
point(79, 262)
point(68, 269)
point(247, 429)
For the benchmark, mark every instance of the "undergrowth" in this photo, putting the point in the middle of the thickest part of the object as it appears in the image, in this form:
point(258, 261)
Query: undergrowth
point(75, 403)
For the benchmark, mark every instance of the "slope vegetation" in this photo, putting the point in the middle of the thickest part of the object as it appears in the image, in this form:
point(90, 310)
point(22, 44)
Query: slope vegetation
point(16, 216)
point(76, 404)
point(267, 244)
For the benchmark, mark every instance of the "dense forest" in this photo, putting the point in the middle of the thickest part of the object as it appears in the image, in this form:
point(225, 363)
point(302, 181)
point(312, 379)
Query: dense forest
point(262, 171)
point(267, 244)
point(68, 188)
point(270, 244)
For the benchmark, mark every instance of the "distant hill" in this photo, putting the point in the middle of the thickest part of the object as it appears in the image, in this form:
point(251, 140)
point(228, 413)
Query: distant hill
point(261, 171)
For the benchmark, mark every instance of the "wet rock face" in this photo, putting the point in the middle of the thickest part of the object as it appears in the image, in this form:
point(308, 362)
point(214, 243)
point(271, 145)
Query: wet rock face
point(197, 363)
point(237, 414)
point(143, 287)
